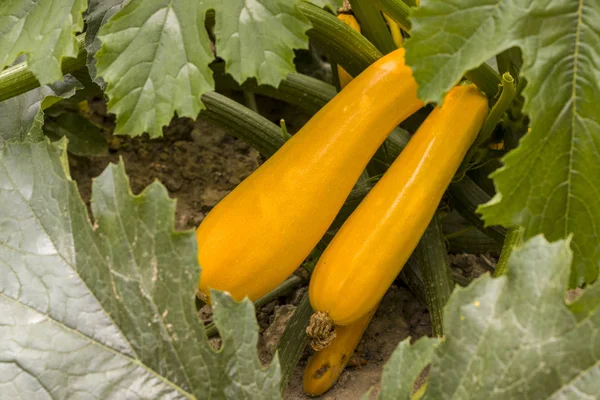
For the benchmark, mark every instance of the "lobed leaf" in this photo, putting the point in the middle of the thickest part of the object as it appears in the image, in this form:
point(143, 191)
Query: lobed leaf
point(551, 183)
point(514, 337)
point(43, 30)
point(108, 309)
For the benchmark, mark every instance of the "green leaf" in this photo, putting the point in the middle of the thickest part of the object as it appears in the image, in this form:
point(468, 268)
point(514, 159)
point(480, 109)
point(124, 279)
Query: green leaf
point(588, 303)
point(85, 138)
point(551, 183)
point(107, 310)
point(23, 115)
point(96, 15)
point(44, 30)
point(514, 337)
point(258, 38)
point(397, 384)
point(154, 58)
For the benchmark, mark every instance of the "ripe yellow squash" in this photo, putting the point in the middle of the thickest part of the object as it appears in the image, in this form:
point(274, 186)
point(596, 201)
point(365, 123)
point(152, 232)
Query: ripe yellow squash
point(372, 246)
point(255, 237)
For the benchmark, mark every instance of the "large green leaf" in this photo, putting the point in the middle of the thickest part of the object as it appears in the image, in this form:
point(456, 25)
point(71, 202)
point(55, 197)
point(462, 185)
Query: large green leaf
point(514, 337)
point(258, 38)
point(97, 14)
point(106, 310)
point(154, 58)
point(23, 115)
point(551, 183)
point(44, 30)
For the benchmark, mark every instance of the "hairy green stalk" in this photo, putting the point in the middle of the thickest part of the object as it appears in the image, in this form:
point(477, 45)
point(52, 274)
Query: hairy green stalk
point(18, 79)
point(397, 10)
point(294, 340)
point(373, 25)
point(437, 277)
point(513, 240)
point(504, 102)
point(346, 46)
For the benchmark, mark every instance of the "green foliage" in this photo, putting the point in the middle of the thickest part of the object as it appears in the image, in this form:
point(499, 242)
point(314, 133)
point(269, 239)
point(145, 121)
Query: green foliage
point(43, 30)
point(85, 138)
point(258, 39)
point(551, 183)
point(109, 307)
point(514, 337)
point(23, 115)
point(154, 58)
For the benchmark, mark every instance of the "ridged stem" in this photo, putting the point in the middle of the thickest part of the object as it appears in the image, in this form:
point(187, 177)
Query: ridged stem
point(19, 79)
point(437, 277)
point(346, 46)
point(397, 10)
point(294, 340)
point(373, 25)
point(512, 240)
point(504, 102)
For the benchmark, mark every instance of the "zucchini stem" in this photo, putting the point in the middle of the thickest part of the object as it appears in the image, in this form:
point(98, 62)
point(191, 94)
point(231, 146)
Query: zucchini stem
point(437, 277)
point(373, 25)
point(320, 330)
point(512, 240)
point(502, 105)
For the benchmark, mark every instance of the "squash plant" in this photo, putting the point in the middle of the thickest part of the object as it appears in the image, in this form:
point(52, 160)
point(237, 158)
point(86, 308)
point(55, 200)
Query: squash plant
point(103, 304)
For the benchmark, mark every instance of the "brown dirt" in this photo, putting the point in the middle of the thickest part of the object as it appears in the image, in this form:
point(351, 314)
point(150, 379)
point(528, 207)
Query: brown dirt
point(199, 164)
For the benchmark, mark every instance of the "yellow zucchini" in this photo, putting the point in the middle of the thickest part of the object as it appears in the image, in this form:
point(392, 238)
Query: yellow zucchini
point(370, 249)
point(343, 76)
point(325, 366)
point(262, 231)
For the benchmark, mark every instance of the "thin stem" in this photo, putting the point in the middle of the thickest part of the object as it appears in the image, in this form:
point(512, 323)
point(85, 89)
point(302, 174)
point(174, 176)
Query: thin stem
point(504, 102)
point(19, 79)
point(459, 233)
point(250, 100)
point(372, 25)
point(396, 10)
point(467, 196)
point(286, 286)
point(512, 240)
point(346, 46)
point(284, 131)
point(437, 277)
point(294, 340)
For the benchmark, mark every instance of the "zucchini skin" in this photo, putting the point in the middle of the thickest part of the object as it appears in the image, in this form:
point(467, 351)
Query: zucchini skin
point(374, 243)
point(325, 366)
point(256, 236)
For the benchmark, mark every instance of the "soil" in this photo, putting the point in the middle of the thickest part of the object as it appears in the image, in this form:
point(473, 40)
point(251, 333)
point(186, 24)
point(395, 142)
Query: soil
point(199, 164)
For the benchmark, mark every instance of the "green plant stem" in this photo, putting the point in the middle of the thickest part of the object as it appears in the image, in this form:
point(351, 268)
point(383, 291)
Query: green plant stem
point(346, 46)
point(294, 340)
point(250, 100)
point(372, 25)
point(19, 79)
point(242, 123)
point(308, 93)
point(467, 197)
point(512, 240)
point(397, 10)
point(286, 286)
point(437, 277)
point(504, 102)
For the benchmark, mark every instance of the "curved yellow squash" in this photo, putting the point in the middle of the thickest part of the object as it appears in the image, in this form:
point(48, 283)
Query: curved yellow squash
point(325, 366)
point(262, 231)
point(370, 249)
point(349, 19)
